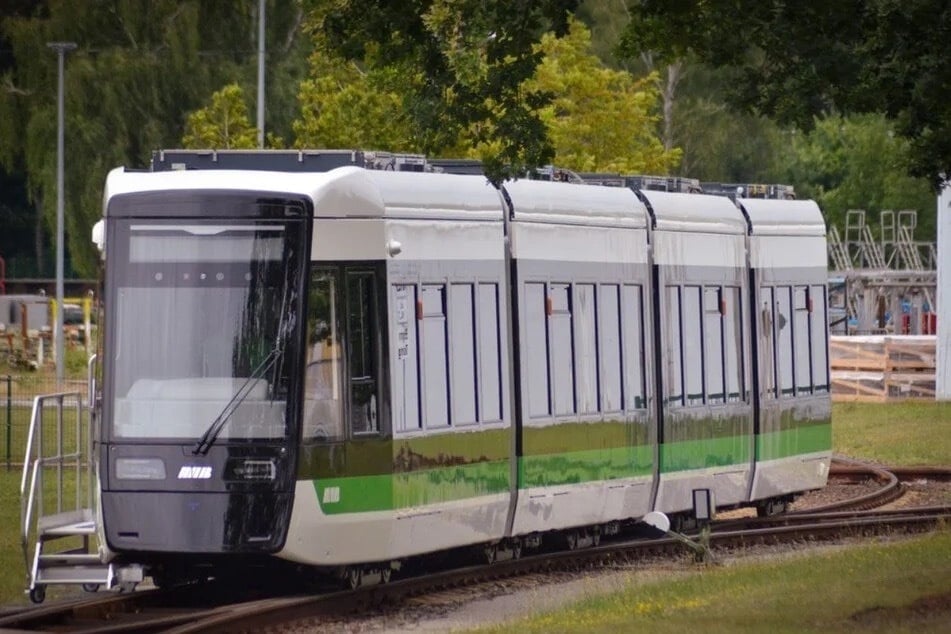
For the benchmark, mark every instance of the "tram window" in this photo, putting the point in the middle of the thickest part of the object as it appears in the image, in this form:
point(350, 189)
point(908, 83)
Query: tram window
point(713, 344)
point(536, 363)
point(435, 361)
point(819, 330)
point(802, 349)
point(586, 349)
point(784, 344)
point(362, 320)
point(323, 404)
point(562, 350)
point(405, 405)
point(768, 343)
point(490, 354)
point(609, 338)
point(692, 345)
point(633, 357)
point(672, 334)
point(733, 345)
point(462, 353)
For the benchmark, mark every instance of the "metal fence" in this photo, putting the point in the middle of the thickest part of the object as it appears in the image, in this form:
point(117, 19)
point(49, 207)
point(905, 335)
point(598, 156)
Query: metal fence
point(16, 396)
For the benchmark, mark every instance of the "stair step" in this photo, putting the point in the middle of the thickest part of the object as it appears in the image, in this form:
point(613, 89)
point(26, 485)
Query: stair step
point(79, 522)
point(49, 560)
point(100, 574)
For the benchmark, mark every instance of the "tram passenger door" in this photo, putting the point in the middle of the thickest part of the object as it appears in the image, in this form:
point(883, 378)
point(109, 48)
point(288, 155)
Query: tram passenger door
point(342, 343)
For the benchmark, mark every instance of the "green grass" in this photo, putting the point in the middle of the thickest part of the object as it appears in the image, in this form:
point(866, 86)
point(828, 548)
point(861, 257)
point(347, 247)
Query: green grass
point(13, 575)
point(904, 433)
point(894, 587)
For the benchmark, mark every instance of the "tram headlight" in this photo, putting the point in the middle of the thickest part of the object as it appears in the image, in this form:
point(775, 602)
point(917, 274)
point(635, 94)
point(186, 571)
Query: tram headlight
point(140, 469)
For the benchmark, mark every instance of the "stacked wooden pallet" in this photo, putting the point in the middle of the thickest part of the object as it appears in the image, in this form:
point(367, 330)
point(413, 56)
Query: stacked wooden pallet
point(880, 368)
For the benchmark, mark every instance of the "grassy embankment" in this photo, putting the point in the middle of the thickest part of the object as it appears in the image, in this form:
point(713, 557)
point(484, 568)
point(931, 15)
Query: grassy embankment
point(901, 433)
point(900, 586)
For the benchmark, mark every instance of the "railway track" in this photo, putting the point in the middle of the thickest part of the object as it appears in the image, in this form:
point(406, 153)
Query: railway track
point(222, 608)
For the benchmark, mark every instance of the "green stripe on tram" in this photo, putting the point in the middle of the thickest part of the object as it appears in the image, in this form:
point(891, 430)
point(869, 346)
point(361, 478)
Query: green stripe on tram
point(589, 465)
point(393, 491)
point(791, 442)
point(388, 492)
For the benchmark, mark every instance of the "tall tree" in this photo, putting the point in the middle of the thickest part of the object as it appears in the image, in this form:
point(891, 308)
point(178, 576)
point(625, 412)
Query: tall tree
point(796, 60)
point(600, 119)
point(140, 67)
point(857, 163)
point(463, 62)
point(222, 124)
point(345, 106)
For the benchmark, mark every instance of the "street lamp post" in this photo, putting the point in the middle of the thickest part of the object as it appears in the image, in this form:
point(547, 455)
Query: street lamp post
point(61, 49)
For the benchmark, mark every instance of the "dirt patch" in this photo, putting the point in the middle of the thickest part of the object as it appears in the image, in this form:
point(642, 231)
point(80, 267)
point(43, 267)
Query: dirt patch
point(927, 611)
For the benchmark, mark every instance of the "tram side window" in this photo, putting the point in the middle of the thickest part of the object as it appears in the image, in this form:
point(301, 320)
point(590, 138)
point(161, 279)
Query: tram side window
point(323, 403)
point(713, 344)
point(490, 354)
point(784, 344)
point(586, 348)
point(733, 368)
point(802, 349)
point(536, 347)
point(819, 325)
point(672, 336)
point(435, 361)
point(562, 349)
point(692, 345)
point(633, 356)
point(609, 338)
point(362, 320)
point(462, 353)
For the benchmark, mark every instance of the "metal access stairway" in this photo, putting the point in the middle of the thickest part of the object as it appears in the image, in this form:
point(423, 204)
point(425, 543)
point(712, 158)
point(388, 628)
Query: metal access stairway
point(58, 525)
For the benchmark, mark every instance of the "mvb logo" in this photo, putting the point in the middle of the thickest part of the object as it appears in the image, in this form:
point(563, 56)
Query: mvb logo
point(189, 472)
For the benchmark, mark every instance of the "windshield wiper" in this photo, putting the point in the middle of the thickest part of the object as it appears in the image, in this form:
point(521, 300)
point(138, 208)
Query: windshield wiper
point(211, 434)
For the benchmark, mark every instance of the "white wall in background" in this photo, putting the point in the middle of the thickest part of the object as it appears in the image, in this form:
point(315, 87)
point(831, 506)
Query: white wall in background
point(943, 369)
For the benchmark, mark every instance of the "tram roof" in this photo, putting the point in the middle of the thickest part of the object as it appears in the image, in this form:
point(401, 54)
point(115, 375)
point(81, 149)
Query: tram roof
point(567, 203)
point(700, 213)
point(346, 192)
point(784, 217)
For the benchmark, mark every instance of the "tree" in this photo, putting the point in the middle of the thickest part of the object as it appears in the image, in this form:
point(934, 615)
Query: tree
point(222, 124)
point(344, 106)
point(140, 67)
point(798, 60)
point(857, 163)
point(463, 64)
point(600, 119)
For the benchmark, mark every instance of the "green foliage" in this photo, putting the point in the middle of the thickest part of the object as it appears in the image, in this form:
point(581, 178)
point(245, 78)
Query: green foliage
point(798, 60)
point(140, 67)
point(343, 106)
point(222, 124)
point(857, 163)
point(600, 119)
point(462, 65)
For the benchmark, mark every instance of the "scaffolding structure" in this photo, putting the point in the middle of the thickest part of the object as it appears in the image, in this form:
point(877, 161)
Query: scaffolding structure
point(886, 285)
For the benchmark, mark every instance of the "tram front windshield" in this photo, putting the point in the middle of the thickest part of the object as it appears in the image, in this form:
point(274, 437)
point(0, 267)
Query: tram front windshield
point(201, 316)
